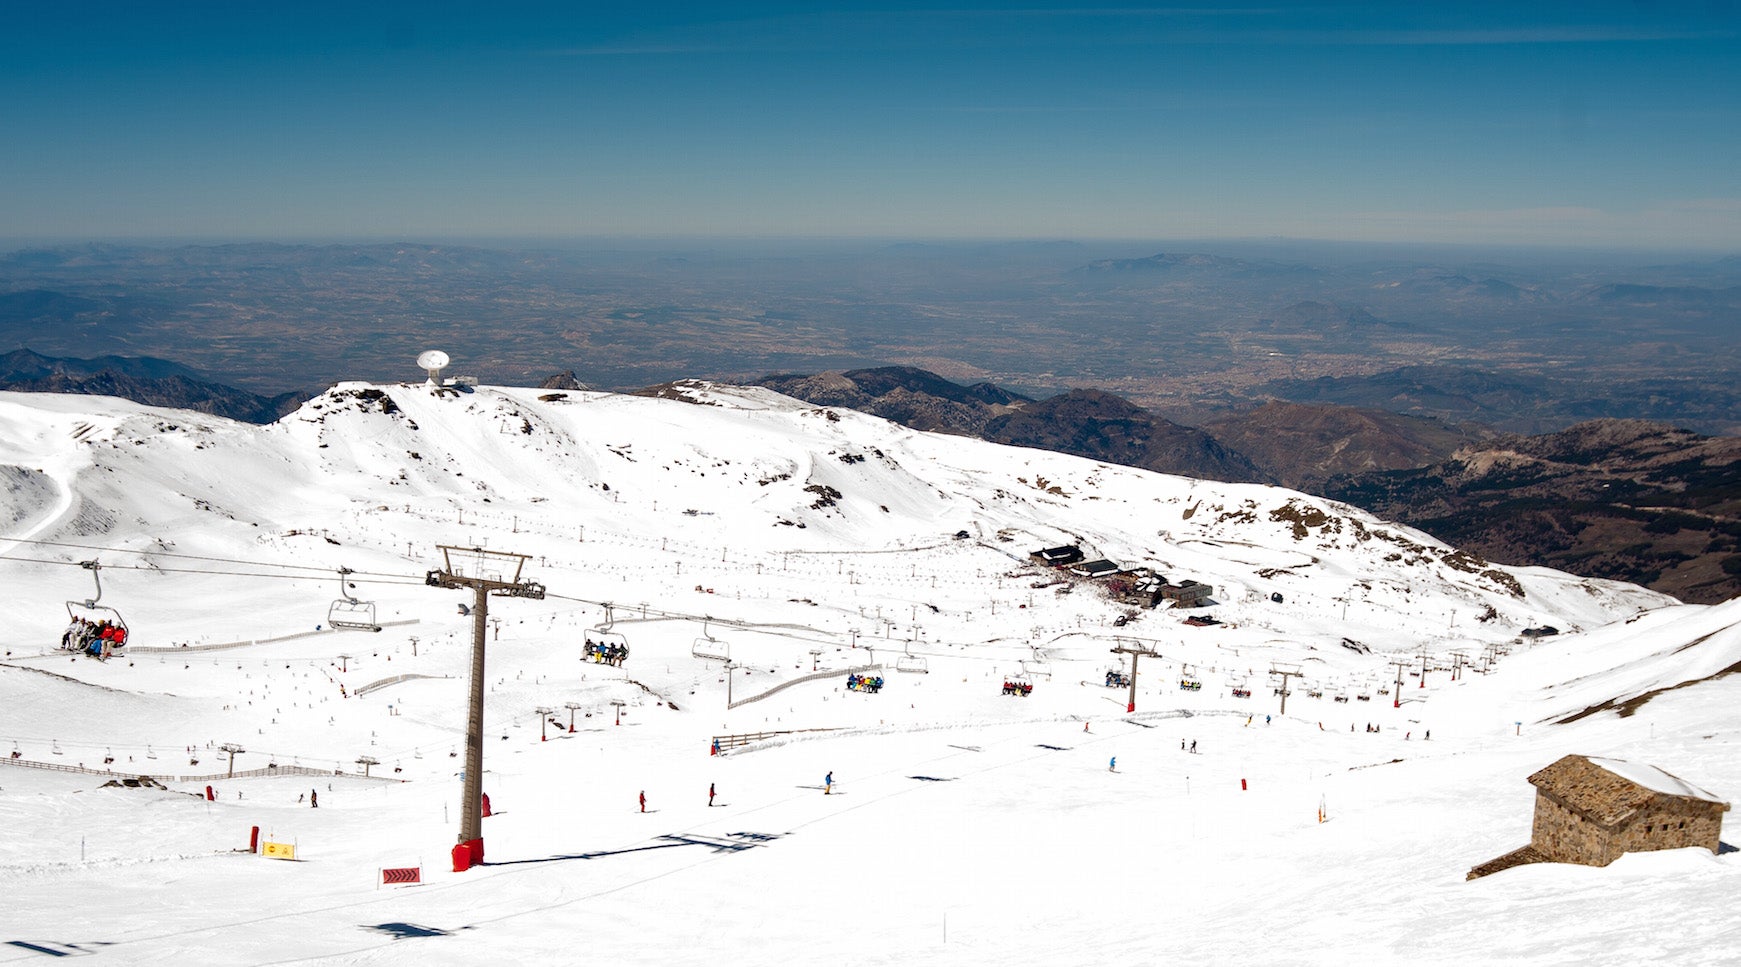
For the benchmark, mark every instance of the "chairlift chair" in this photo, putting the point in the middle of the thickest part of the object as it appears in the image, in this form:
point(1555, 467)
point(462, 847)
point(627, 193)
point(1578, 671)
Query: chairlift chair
point(600, 640)
point(348, 612)
point(1037, 665)
point(89, 610)
point(910, 662)
point(709, 648)
point(1187, 681)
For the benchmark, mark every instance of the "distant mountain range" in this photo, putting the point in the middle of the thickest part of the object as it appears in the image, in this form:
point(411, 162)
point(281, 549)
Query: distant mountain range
point(142, 379)
point(1641, 501)
point(914, 397)
point(1101, 426)
point(1185, 265)
point(1304, 445)
point(1522, 403)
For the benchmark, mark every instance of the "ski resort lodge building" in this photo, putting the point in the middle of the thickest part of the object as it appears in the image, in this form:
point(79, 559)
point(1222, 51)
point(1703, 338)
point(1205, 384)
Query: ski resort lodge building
point(1590, 810)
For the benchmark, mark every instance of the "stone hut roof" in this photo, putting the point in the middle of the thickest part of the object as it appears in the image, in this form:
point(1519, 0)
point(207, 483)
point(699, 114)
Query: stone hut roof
point(1609, 791)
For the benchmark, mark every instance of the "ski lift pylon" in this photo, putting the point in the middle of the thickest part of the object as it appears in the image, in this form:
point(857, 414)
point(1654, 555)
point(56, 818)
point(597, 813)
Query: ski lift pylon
point(348, 612)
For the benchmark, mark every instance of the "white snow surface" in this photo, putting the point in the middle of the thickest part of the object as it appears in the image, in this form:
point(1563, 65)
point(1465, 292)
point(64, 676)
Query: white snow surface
point(966, 826)
point(1650, 777)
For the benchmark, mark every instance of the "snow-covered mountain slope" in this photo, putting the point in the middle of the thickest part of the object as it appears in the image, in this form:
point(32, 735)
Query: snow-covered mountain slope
point(740, 477)
point(1681, 656)
point(969, 824)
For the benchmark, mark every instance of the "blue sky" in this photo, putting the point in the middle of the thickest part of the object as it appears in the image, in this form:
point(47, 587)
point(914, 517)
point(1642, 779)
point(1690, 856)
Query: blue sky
point(1581, 124)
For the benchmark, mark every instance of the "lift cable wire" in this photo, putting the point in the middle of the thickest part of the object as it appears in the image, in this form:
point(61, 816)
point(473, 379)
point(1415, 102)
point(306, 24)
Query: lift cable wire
point(400, 579)
point(323, 569)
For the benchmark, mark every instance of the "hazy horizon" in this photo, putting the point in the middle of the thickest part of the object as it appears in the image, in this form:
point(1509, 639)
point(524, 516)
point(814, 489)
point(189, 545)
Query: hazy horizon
point(1573, 125)
point(1278, 247)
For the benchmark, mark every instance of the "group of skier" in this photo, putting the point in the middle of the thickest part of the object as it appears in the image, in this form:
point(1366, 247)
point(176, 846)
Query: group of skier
point(1024, 689)
point(870, 684)
point(99, 639)
point(606, 653)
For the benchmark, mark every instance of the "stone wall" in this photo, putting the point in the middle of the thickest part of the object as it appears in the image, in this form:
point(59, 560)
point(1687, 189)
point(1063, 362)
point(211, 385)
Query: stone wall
point(1667, 823)
point(1672, 823)
point(1566, 837)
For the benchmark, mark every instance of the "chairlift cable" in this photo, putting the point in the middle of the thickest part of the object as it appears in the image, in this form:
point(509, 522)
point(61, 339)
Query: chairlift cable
point(400, 579)
point(323, 570)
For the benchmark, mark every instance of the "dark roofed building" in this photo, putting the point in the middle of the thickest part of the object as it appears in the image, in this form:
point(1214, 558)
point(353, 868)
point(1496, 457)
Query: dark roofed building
point(1187, 594)
point(1095, 569)
point(1059, 556)
point(1590, 810)
point(1151, 589)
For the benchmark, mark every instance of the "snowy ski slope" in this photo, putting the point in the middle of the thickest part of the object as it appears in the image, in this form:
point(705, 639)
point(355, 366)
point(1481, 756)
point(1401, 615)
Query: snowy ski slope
point(969, 825)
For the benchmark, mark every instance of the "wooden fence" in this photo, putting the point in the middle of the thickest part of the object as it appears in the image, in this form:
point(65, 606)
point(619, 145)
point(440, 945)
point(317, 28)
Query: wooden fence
point(213, 777)
point(396, 679)
point(724, 742)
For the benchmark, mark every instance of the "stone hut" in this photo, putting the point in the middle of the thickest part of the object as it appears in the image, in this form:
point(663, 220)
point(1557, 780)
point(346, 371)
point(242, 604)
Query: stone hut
point(1590, 810)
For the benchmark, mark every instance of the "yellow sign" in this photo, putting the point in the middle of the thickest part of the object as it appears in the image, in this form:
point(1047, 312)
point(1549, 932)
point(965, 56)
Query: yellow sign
point(278, 851)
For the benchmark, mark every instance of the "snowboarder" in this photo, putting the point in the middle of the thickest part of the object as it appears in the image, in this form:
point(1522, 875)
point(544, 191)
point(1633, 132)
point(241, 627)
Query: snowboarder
point(1266, 720)
point(313, 799)
point(1193, 745)
point(1429, 735)
point(1112, 764)
point(710, 794)
point(828, 783)
point(643, 800)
